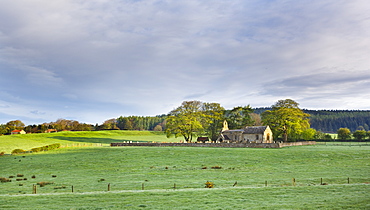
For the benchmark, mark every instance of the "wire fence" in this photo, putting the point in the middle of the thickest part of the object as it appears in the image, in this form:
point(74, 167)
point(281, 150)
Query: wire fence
point(51, 187)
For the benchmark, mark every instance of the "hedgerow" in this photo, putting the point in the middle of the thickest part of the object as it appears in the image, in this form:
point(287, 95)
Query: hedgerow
point(18, 151)
point(46, 148)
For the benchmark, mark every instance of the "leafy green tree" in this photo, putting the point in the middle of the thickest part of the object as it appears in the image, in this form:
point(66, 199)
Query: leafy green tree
point(328, 137)
point(359, 134)
point(185, 120)
point(256, 119)
point(368, 134)
point(110, 124)
point(239, 117)
point(158, 128)
point(286, 119)
point(42, 128)
point(319, 135)
point(31, 129)
point(3, 129)
point(84, 127)
point(344, 133)
point(308, 134)
point(213, 118)
point(194, 118)
point(15, 125)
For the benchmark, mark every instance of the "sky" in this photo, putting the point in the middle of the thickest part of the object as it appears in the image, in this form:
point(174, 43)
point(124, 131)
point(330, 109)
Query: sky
point(93, 60)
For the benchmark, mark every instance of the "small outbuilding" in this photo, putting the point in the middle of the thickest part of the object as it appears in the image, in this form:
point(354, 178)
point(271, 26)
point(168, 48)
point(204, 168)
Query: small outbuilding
point(18, 132)
point(51, 131)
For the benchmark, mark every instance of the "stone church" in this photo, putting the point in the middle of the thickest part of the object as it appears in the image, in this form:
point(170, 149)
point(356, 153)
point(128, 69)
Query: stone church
point(249, 134)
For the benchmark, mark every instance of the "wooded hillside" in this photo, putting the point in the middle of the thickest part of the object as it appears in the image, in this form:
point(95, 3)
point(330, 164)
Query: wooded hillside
point(329, 121)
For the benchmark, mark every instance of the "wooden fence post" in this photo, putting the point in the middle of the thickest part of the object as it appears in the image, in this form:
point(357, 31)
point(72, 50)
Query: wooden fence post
point(293, 181)
point(348, 180)
point(142, 186)
point(109, 187)
point(34, 191)
point(321, 181)
point(174, 186)
point(72, 189)
point(265, 183)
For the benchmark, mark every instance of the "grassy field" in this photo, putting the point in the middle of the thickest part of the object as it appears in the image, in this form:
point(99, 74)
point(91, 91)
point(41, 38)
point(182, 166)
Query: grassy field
point(305, 197)
point(87, 138)
point(128, 169)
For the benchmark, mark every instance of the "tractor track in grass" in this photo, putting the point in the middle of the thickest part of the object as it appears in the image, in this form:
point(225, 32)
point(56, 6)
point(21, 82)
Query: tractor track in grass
point(167, 190)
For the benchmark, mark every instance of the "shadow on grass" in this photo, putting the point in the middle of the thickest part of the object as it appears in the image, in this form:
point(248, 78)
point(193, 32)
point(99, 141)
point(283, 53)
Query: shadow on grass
point(91, 140)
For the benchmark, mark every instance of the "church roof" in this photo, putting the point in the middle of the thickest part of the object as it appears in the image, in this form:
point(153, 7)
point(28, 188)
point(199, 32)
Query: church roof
point(254, 129)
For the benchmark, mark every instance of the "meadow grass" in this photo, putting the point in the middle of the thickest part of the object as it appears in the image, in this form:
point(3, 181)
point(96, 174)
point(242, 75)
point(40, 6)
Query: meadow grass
point(76, 138)
point(305, 197)
point(159, 169)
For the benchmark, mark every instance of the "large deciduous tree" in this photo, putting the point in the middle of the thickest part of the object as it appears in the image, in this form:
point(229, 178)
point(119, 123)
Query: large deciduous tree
point(185, 120)
point(3, 129)
point(110, 124)
point(359, 134)
point(239, 117)
point(286, 119)
point(194, 118)
point(214, 117)
point(344, 133)
point(15, 125)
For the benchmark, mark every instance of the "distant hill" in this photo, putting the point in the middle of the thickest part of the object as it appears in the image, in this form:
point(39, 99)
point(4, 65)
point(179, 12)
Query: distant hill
point(329, 121)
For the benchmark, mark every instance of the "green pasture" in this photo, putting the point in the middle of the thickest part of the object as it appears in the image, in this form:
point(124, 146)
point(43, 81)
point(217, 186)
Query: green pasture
point(305, 197)
point(79, 138)
point(174, 177)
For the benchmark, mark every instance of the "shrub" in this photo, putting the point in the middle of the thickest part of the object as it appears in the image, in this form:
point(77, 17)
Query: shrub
point(216, 167)
point(38, 149)
point(54, 146)
point(327, 137)
point(3, 179)
point(209, 184)
point(45, 148)
point(2, 153)
point(18, 151)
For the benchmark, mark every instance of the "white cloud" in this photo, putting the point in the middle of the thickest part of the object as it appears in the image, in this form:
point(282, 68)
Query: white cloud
point(146, 57)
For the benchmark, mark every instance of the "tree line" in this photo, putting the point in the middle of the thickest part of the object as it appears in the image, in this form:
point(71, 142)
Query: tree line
point(196, 118)
point(156, 123)
point(59, 125)
point(330, 121)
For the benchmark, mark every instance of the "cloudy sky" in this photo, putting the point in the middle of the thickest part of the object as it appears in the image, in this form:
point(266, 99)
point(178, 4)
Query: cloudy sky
point(92, 60)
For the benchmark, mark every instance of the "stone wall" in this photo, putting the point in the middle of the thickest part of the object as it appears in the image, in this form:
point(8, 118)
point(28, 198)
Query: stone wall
point(225, 145)
point(299, 143)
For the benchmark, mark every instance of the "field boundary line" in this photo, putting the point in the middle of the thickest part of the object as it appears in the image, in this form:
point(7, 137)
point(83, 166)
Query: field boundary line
point(170, 190)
